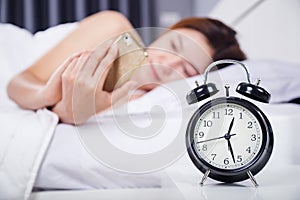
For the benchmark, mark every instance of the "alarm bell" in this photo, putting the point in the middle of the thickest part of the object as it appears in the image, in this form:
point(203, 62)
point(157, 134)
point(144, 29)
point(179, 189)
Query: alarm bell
point(201, 92)
point(253, 91)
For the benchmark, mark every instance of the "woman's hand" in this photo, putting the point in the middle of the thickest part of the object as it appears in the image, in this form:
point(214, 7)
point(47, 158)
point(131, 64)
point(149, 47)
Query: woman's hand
point(30, 92)
point(52, 90)
point(82, 85)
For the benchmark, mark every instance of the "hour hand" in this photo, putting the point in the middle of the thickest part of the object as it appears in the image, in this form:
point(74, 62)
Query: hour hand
point(230, 126)
point(227, 137)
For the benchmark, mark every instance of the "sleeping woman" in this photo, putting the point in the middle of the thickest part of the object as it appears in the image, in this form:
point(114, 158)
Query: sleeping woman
point(86, 54)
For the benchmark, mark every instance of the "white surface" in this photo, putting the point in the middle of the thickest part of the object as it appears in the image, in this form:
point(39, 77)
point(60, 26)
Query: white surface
point(273, 184)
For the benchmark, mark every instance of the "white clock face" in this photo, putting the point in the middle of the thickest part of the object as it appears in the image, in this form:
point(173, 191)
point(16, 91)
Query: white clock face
point(227, 136)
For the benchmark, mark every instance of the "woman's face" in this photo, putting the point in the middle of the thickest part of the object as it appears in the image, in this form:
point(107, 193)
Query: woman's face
point(175, 55)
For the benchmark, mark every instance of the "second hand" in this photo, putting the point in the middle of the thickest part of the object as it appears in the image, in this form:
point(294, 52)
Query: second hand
point(215, 138)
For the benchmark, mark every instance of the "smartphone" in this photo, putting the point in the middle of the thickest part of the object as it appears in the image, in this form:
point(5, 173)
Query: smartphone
point(131, 56)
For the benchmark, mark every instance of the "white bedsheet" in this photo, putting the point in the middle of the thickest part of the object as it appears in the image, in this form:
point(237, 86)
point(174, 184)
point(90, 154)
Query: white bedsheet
point(69, 163)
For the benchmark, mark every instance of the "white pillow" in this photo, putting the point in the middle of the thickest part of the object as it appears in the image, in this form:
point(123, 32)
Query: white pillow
point(280, 79)
point(19, 48)
point(15, 49)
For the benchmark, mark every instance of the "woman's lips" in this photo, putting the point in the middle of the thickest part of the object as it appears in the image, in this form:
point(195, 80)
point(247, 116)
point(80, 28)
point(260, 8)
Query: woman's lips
point(154, 72)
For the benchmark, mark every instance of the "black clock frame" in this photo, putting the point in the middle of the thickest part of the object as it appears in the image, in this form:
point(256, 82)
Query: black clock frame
point(239, 174)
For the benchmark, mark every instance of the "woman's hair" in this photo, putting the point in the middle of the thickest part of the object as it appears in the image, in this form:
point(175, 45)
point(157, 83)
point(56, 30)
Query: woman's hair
point(221, 37)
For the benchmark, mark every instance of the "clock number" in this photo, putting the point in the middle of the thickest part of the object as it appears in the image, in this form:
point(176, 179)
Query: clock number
point(248, 149)
point(228, 111)
point(239, 158)
point(226, 161)
point(204, 147)
point(213, 156)
point(207, 123)
point(250, 125)
point(253, 137)
point(201, 134)
point(216, 115)
point(241, 115)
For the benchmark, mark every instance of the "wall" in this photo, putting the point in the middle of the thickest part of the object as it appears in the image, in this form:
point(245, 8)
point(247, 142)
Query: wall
point(171, 11)
point(271, 30)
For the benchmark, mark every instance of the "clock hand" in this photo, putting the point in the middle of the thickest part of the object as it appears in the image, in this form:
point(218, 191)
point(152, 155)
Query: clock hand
point(227, 137)
point(230, 149)
point(230, 126)
point(216, 138)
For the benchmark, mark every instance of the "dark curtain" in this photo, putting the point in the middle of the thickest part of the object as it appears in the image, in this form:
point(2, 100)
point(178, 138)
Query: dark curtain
point(36, 15)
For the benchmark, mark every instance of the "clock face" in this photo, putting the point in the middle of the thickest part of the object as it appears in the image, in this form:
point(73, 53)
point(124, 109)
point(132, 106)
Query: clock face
point(227, 136)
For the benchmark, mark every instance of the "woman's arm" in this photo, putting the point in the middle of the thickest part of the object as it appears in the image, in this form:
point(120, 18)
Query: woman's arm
point(29, 92)
point(82, 85)
point(40, 85)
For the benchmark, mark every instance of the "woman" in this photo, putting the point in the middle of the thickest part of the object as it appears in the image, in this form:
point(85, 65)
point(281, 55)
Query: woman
point(184, 52)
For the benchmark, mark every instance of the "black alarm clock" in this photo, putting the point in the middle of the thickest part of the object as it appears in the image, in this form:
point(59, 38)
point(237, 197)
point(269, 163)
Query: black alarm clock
point(229, 139)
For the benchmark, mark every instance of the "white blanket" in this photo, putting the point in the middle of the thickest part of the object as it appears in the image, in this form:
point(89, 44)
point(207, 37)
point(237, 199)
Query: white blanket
point(26, 135)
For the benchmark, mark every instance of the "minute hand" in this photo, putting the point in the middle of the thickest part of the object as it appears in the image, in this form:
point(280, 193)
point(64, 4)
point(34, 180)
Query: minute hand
point(227, 137)
point(214, 138)
point(230, 149)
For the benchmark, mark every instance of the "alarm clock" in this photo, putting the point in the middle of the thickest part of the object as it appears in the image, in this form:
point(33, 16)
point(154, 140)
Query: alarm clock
point(229, 139)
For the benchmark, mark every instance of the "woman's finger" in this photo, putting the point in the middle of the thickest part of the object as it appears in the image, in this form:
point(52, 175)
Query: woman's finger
point(121, 95)
point(60, 70)
point(81, 62)
point(67, 74)
point(68, 80)
point(95, 58)
point(102, 70)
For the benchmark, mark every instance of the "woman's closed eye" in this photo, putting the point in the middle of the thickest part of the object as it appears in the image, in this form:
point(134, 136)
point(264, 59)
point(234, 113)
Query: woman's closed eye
point(174, 47)
point(176, 44)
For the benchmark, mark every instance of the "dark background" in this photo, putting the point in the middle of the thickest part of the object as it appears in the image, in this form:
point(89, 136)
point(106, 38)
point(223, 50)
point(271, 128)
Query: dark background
point(36, 15)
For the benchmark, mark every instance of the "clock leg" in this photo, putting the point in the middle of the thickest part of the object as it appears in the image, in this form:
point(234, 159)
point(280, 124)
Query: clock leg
point(252, 178)
point(204, 177)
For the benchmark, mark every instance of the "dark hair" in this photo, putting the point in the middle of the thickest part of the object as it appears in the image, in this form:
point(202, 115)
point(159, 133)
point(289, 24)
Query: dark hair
point(221, 37)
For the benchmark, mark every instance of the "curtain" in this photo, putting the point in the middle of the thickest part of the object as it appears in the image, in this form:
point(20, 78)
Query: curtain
point(36, 15)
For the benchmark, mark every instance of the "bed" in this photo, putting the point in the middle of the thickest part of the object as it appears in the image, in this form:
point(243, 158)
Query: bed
point(52, 165)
